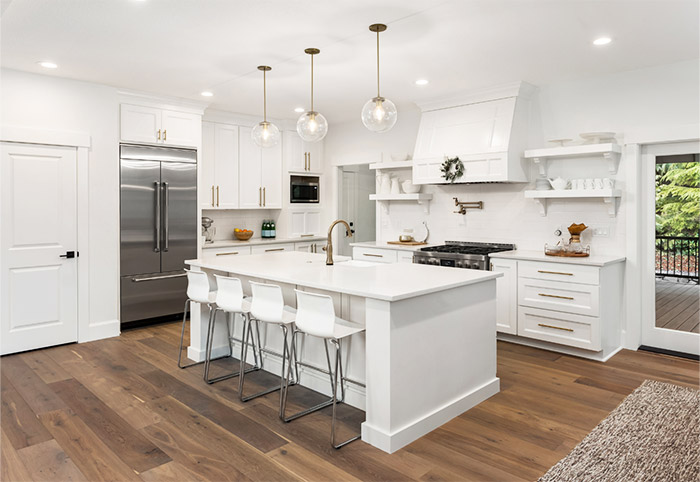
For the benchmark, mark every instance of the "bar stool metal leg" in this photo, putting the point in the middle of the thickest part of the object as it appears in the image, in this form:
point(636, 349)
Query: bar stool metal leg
point(338, 375)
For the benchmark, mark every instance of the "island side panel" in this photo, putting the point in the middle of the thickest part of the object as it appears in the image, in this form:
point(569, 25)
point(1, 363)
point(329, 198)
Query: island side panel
point(429, 359)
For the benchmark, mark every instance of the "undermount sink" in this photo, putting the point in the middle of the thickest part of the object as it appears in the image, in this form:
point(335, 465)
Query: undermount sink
point(355, 263)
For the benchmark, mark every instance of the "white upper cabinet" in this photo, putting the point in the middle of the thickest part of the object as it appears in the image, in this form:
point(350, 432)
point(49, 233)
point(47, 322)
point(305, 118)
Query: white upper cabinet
point(302, 156)
point(151, 125)
point(304, 222)
point(219, 176)
point(260, 174)
point(488, 134)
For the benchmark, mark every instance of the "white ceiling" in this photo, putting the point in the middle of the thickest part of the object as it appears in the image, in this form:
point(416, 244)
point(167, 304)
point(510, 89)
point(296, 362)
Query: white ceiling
point(182, 47)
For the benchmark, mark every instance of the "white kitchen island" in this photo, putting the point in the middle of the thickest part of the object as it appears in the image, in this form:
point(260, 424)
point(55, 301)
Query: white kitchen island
point(429, 351)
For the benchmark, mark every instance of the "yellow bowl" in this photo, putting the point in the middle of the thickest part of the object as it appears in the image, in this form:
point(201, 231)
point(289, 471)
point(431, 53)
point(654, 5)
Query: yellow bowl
point(243, 235)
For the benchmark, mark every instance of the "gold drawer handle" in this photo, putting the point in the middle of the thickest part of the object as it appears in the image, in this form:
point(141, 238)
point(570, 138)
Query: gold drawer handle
point(556, 296)
point(275, 249)
point(554, 272)
point(555, 327)
point(226, 254)
point(306, 235)
point(373, 255)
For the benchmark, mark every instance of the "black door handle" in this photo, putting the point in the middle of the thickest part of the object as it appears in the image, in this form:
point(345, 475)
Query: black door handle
point(69, 254)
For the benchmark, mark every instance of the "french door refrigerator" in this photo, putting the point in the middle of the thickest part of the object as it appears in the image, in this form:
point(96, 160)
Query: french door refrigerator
point(158, 229)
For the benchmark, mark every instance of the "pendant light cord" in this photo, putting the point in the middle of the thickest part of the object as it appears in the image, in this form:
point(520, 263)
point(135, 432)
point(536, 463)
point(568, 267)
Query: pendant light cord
point(264, 96)
point(378, 64)
point(312, 82)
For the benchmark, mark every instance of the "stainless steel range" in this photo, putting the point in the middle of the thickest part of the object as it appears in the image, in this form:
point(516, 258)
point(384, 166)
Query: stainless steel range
point(460, 254)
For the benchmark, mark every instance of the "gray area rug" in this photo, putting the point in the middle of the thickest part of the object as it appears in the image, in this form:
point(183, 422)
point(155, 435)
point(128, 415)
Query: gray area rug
point(653, 435)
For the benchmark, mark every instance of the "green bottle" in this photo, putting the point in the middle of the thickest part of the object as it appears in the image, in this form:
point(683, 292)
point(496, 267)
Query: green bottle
point(273, 229)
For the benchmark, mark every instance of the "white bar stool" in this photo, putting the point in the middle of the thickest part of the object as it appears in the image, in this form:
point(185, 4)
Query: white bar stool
point(267, 307)
point(316, 317)
point(199, 291)
point(229, 299)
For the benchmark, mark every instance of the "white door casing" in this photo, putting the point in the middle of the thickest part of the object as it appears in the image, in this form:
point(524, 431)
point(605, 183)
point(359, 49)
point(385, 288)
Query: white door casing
point(38, 288)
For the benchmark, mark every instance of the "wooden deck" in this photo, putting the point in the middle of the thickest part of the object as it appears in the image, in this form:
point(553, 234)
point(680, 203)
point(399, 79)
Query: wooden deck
point(678, 305)
point(120, 409)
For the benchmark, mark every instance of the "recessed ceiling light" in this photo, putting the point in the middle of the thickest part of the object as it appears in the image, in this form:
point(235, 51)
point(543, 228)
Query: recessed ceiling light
point(422, 82)
point(300, 110)
point(206, 93)
point(602, 41)
point(48, 65)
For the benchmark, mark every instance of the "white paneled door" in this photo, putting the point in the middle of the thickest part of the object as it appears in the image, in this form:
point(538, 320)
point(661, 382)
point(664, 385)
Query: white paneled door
point(38, 278)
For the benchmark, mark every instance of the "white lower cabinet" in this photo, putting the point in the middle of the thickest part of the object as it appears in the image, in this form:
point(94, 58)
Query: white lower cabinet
point(404, 256)
point(309, 247)
point(506, 295)
point(228, 251)
point(374, 255)
point(271, 248)
point(574, 305)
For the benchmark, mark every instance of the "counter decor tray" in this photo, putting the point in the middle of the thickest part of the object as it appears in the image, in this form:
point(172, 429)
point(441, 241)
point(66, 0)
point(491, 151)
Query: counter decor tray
point(407, 243)
point(561, 251)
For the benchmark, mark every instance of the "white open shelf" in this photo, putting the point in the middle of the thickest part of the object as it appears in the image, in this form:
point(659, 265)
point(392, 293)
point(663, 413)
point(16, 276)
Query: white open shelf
point(420, 198)
point(609, 196)
point(392, 165)
point(609, 151)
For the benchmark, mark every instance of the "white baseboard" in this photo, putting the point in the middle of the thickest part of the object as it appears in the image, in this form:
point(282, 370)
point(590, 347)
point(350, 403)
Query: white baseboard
point(391, 442)
point(601, 356)
point(100, 331)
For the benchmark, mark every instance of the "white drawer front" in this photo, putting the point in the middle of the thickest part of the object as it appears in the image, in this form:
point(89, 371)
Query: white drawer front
point(230, 251)
point(556, 295)
point(272, 248)
point(568, 273)
point(404, 256)
point(563, 328)
point(374, 255)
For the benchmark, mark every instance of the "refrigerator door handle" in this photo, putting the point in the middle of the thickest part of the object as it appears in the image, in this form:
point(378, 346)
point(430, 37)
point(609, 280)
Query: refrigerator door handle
point(157, 248)
point(166, 216)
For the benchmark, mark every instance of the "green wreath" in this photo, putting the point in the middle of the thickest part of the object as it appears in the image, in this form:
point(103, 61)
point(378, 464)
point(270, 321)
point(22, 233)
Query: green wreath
point(452, 169)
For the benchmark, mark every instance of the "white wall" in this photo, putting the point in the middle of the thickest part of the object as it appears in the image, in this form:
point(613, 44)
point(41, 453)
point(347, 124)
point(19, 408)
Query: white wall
point(39, 101)
point(620, 102)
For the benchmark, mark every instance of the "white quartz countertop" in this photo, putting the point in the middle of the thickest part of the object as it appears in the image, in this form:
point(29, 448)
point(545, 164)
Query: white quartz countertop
point(382, 245)
point(388, 282)
point(228, 243)
point(593, 260)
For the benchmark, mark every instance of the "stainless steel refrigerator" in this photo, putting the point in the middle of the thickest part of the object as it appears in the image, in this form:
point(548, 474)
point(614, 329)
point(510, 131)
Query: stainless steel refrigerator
point(158, 229)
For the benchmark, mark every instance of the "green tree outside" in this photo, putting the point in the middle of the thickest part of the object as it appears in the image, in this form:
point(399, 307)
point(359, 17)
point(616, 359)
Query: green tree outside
point(678, 199)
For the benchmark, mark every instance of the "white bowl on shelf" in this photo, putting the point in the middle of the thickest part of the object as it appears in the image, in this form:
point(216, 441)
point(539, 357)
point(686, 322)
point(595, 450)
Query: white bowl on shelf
point(399, 157)
point(410, 188)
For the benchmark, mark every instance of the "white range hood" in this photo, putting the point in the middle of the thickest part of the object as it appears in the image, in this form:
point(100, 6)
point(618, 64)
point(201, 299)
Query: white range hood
point(487, 130)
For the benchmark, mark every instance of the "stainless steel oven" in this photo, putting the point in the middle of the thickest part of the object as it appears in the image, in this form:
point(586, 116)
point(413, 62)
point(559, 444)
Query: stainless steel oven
point(303, 189)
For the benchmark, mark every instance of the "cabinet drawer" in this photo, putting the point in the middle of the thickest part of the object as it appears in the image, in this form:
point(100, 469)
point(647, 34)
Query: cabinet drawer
point(556, 295)
point(404, 256)
point(563, 328)
point(569, 273)
point(374, 255)
point(230, 251)
point(271, 248)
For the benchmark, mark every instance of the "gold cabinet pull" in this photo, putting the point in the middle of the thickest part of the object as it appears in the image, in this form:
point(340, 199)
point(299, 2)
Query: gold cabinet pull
point(226, 254)
point(274, 249)
point(212, 197)
point(217, 196)
point(158, 134)
point(306, 235)
point(264, 201)
point(554, 272)
point(165, 134)
point(556, 296)
point(555, 327)
point(373, 255)
point(259, 196)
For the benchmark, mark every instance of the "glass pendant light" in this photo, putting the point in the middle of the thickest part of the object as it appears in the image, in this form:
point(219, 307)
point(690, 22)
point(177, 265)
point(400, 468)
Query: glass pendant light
point(379, 114)
point(312, 126)
point(265, 134)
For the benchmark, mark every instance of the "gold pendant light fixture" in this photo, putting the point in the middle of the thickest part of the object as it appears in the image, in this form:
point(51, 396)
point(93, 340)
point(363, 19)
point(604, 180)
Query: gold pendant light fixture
point(378, 114)
point(265, 134)
point(312, 126)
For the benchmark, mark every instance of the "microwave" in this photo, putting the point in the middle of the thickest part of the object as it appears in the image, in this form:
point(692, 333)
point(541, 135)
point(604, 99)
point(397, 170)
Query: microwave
point(303, 189)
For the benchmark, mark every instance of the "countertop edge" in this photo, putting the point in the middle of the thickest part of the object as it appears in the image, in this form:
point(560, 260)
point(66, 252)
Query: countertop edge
point(595, 260)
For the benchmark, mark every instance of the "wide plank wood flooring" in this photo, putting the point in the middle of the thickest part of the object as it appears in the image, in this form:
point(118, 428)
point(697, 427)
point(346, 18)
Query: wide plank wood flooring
point(678, 305)
point(120, 409)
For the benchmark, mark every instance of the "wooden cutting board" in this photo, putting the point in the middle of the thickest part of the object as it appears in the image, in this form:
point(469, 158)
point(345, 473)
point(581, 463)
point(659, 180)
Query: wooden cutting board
point(408, 243)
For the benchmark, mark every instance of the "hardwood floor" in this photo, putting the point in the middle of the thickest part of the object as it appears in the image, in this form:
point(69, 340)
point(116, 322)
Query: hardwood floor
point(120, 409)
point(678, 305)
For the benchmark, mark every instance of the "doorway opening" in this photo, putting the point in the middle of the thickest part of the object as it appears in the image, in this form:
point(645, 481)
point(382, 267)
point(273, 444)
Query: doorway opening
point(356, 183)
point(677, 242)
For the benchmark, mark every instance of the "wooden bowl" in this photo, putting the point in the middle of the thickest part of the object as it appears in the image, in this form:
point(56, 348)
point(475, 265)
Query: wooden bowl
point(243, 236)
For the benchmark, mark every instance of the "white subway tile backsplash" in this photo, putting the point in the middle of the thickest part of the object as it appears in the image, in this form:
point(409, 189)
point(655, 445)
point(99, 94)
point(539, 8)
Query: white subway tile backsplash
point(225, 221)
